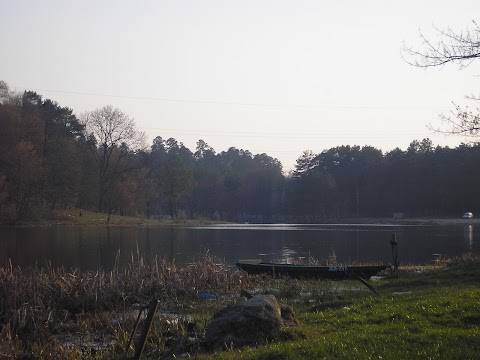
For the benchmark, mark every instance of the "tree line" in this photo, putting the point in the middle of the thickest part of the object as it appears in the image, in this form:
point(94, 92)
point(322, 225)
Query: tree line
point(51, 159)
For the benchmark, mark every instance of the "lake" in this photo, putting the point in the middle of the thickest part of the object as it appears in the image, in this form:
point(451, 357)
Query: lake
point(92, 248)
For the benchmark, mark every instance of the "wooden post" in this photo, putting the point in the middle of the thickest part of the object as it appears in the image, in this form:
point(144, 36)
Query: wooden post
point(363, 281)
point(394, 245)
point(134, 330)
point(152, 308)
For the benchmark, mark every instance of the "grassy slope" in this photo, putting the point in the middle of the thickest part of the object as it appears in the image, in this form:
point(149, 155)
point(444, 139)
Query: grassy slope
point(436, 316)
point(72, 217)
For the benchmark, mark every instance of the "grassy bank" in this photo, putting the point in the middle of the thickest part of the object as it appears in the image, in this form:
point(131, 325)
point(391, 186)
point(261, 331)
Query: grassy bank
point(432, 315)
point(92, 218)
point(58, 313)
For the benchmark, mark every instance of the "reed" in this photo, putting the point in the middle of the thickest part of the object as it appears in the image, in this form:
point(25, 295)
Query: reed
point(39, 303)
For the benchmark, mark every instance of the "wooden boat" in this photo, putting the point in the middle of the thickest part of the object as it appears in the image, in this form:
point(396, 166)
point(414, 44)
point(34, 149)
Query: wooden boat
point(310, 271)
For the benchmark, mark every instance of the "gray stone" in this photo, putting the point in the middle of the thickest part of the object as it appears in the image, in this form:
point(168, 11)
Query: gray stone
point(250, 322)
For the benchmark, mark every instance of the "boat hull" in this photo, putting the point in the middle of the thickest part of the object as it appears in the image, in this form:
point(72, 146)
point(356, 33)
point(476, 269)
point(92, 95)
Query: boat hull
point(311, 271)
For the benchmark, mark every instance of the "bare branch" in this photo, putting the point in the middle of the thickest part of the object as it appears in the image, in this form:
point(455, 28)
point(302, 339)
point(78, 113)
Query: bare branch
point(461, 121)
point(451, 47)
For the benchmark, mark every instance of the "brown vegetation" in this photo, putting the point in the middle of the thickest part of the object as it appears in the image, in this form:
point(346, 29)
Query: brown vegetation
point(42, 308)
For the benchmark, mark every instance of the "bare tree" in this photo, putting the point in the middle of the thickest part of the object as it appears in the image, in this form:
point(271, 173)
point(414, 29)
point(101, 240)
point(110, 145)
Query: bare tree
point(112, 138)
point(461, 48)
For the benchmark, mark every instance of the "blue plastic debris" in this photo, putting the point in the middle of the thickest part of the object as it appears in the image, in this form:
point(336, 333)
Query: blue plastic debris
point(207, 296)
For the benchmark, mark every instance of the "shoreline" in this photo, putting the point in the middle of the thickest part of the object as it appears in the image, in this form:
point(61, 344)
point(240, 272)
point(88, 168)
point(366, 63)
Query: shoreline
point(90, 218)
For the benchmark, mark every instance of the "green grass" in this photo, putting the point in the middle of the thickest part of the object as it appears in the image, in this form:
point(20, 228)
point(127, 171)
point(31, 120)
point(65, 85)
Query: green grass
point(435, 316)
point(435, 324)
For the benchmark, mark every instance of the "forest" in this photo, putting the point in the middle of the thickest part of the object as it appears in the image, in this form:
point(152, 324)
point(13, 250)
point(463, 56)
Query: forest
point(51, 159)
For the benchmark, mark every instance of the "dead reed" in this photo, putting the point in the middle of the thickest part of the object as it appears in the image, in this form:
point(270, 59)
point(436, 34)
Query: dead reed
point(36, 304)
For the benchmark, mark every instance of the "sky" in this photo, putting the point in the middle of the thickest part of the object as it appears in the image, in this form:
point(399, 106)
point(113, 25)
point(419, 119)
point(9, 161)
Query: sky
point(275, 77)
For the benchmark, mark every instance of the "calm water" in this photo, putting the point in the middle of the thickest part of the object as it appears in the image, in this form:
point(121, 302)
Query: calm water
point(91, 248)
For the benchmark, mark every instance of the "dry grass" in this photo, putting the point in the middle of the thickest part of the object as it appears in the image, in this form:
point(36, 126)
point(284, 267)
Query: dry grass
point(43, 309)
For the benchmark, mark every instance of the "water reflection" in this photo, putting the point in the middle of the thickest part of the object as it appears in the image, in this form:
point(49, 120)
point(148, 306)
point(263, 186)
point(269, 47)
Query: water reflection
point(93, 247)
point(468, 236)
point(288, 256)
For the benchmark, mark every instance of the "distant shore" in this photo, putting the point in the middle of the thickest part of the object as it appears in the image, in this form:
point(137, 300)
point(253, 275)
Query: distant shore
point(78, 217)
point(414, 221)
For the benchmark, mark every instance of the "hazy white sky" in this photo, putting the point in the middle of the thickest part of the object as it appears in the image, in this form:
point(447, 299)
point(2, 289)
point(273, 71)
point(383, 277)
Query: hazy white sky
point(275, 77)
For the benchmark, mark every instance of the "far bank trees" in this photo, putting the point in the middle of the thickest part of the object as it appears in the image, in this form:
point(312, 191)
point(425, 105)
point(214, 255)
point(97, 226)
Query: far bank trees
point(39, 155)
point(49, 160)
point(112, 138)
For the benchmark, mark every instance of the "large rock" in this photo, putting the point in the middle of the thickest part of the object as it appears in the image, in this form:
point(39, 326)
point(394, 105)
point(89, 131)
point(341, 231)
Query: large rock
point(248, 323)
